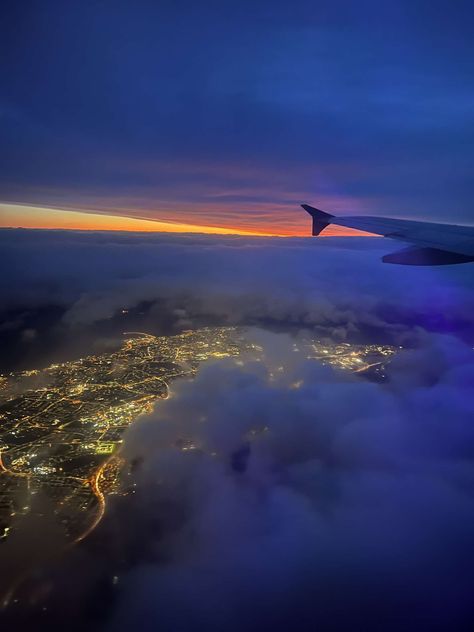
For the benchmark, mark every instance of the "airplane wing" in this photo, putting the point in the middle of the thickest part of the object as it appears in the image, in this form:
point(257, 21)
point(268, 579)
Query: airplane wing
point(432, 244)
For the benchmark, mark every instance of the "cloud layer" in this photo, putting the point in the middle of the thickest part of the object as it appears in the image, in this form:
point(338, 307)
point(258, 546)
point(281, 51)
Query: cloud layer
point(338, 286)
point(332, 505)
point(312, 499)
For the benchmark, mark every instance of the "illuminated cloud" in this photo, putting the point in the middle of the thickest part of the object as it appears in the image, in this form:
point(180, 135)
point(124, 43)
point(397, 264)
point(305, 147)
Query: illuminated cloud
point(333, 520)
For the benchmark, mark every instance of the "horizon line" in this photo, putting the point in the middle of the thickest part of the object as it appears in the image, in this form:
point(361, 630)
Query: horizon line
point(36, 217)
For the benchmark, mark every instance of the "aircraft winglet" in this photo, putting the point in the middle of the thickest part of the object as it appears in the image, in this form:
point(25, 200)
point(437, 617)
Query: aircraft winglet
point(320, 218)
point(432, 244)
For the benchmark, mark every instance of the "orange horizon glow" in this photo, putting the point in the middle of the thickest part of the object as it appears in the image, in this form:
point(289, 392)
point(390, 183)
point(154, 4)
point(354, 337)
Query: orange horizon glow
point(27, 216)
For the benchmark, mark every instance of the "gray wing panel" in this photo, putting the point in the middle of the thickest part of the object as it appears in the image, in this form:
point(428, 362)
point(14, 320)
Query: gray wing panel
point(458, 239)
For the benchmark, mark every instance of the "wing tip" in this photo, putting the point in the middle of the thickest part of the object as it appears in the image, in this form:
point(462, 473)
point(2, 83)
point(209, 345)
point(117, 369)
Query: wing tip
point(321, 219)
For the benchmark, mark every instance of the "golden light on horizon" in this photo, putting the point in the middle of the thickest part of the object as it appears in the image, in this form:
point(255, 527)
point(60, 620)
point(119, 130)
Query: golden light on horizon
point(27, 216)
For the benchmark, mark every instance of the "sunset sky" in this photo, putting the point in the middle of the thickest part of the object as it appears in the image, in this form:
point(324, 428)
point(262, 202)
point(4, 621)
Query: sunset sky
point(25, 216)
point(202, 119)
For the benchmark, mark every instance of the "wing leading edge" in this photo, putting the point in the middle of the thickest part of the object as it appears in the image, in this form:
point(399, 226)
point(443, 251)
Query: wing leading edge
point(432, 244)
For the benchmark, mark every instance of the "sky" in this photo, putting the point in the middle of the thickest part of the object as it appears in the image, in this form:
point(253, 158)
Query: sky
point(228, 116)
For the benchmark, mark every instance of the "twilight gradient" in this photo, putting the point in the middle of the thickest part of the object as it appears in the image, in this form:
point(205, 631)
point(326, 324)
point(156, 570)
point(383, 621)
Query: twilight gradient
point(231, 115)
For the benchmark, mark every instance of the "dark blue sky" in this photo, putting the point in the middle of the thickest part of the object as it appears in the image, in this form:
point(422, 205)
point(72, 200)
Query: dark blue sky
point(232, 113)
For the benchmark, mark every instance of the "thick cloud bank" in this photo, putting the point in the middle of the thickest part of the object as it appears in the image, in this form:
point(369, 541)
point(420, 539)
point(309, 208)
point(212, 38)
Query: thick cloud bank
point(313, 501)
point(310, 500)
point(336, 284)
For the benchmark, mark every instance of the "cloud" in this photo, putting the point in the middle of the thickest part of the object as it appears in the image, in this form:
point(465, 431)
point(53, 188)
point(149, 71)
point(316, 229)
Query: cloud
point(337, 287)
point(312, 499)
point(337, 504)
point(27, 335)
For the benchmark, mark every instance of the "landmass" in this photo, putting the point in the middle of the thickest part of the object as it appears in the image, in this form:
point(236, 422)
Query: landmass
point(61, 427)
